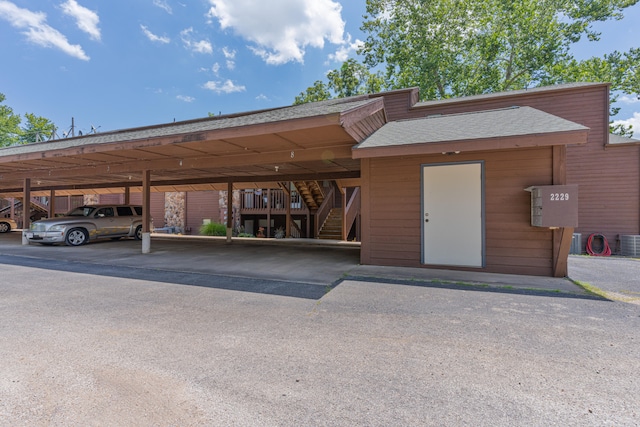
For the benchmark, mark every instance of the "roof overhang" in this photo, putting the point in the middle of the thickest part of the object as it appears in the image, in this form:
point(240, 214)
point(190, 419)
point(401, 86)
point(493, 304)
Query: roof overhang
point(511, 128)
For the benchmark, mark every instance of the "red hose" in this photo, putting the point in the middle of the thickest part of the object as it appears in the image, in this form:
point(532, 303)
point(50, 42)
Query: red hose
point(606, 250)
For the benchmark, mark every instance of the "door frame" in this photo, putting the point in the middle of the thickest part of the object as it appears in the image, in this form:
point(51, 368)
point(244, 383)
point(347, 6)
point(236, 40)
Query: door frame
point(483, 245)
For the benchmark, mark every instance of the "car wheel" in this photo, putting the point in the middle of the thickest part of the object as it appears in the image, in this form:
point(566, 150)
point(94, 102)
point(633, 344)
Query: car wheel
point(138, 235)
point(4, 227)
point(76, 237)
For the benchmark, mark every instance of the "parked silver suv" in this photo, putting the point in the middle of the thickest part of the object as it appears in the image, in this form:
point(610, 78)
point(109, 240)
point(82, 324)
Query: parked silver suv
point(86, 223)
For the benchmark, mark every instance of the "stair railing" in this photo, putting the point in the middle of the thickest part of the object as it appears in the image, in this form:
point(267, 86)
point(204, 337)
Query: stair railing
point(323, 211)
point(295, 230)
point(350, 212)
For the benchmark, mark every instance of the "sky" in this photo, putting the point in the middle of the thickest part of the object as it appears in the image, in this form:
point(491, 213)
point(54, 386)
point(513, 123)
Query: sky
point(119, 64)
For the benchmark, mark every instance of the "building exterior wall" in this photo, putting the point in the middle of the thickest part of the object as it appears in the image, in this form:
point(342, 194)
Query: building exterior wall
point(392, 216)
point(201, 205)
point(608, 177)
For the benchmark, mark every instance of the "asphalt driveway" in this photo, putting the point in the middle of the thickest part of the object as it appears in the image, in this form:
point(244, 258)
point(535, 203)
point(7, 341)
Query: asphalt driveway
point(78, 348)
point(258, 265)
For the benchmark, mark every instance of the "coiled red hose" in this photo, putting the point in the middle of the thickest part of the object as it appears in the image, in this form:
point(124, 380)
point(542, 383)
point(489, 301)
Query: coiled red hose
point(606, 250)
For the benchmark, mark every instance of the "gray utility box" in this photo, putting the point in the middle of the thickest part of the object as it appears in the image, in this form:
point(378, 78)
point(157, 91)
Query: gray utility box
point(554, 205)
point(630, 245)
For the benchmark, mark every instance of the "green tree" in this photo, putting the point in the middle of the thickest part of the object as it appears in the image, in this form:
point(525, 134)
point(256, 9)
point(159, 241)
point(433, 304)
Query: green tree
point(352, 78)
point(9, 125)
point(37, 129)
point(453, 48)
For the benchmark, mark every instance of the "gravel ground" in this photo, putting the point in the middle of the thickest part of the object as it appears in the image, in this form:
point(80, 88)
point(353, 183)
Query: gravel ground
point(79, 349)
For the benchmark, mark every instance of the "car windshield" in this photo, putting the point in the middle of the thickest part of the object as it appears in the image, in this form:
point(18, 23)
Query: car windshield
point(82, 211)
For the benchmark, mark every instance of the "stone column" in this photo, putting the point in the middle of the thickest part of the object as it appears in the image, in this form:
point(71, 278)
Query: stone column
point(174, 210)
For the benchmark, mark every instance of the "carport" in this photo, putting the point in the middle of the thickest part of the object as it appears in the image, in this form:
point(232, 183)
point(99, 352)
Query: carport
point(305, 142)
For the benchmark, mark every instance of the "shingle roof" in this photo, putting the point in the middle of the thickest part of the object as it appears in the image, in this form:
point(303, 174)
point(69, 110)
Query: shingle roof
point(506, 93)
point(515, 121)
point(315, 109)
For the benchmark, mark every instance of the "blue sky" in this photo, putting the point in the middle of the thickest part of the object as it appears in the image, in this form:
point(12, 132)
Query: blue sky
point(118, 64)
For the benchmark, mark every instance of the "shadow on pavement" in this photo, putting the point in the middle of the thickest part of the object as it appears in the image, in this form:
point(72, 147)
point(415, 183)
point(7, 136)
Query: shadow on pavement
point(476, 287)
point(234, 283)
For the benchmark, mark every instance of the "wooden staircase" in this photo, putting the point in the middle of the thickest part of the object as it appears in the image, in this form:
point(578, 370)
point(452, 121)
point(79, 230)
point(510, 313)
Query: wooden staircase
point(311, 193)
point(332, 227)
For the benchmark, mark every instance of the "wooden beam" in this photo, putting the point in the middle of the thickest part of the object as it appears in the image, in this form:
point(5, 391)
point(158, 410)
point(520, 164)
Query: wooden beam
point(26, 204)
point(562, 236)
point(52, 204)
point(327, 154)
point(146, 201)
point(229, 211)
point(287, 201)
point(196, 181)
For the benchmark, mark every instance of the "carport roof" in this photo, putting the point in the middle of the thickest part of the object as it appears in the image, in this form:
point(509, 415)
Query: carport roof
point(309, 141)
point(514, 127)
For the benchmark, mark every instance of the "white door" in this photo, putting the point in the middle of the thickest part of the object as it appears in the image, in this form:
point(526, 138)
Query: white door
point(452, 215)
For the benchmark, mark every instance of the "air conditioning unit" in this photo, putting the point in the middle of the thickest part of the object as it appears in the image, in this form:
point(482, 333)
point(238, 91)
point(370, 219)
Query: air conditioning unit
point(630, 246)
point(576, 244)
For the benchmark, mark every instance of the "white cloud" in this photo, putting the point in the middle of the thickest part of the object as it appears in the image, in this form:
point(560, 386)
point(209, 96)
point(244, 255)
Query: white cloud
point(215, 68)
point(201, 46)
point(229, 54)
point(37, 30)
point(342, 53)
point(87, 20)
point(185, 98)
point(262, 97)
point(162, 4)
point(224, 87)
point(633, 121)
point(281, 30)
point(153, 37)
point(626, 99)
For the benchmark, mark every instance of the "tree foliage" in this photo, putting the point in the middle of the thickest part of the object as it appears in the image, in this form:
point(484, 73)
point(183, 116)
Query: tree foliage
point(452, 48)
point(352, 78)
point(36, 128)
point(9, 125)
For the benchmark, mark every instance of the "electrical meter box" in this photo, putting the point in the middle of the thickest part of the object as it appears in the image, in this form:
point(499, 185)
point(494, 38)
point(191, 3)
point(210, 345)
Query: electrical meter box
point(554, 205)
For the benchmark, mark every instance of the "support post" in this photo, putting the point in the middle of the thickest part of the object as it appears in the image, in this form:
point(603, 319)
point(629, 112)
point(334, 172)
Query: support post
point(268, 212)
point(26, 209)
point(561, 237)
point(146, 211)
point(52, 203)
point(229, 211)
point(343, 191)
point(127, 195)
point(287, 201)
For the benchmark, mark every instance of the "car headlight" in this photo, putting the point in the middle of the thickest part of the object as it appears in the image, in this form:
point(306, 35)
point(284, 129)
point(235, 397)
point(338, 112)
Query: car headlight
point(57, 228)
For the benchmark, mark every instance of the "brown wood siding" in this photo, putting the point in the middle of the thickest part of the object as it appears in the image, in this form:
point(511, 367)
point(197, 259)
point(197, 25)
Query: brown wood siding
point(608, 179)
point(111, 199)
point(392, 200)
point(609, 191)
point(367, 126)
point(157, 206)
point(201, 205)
